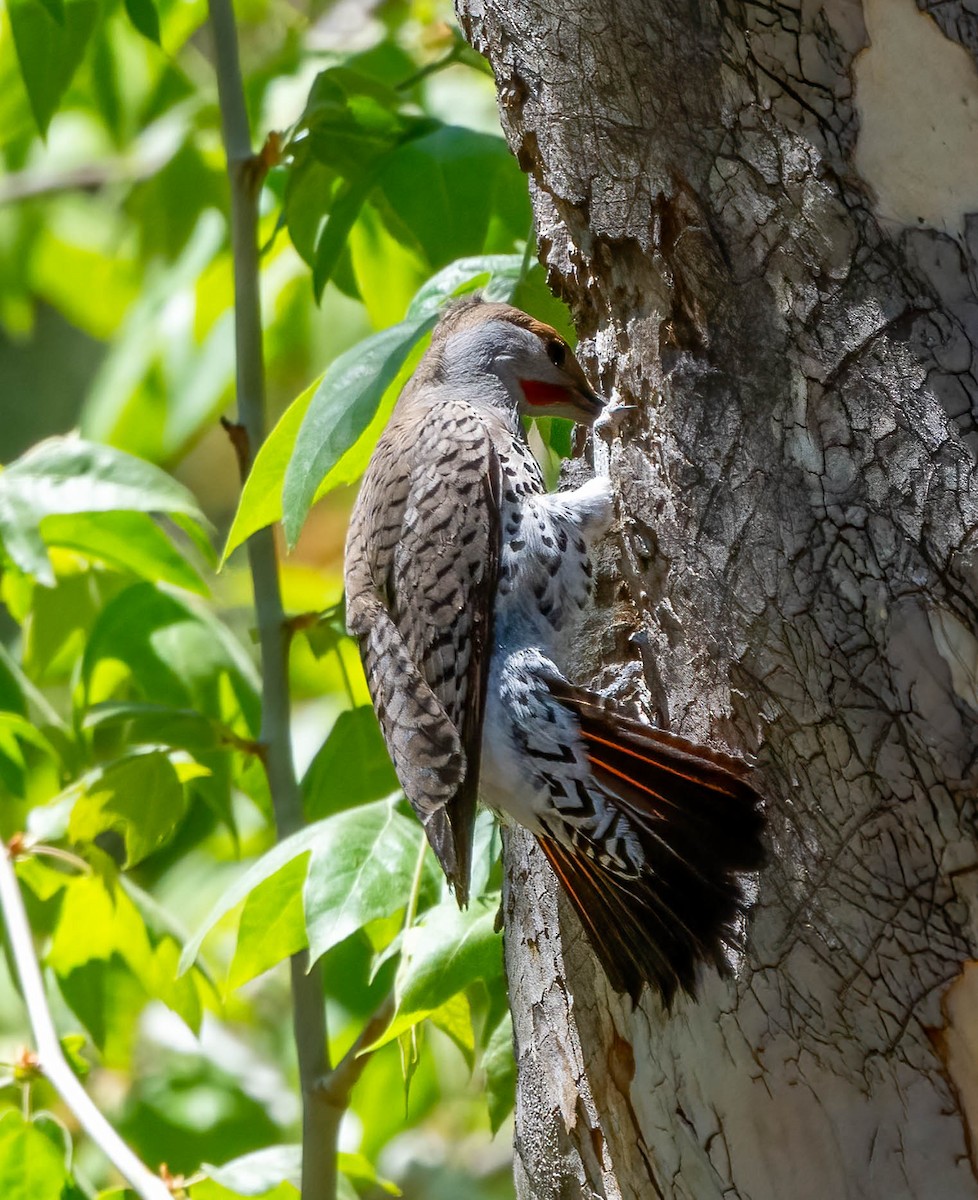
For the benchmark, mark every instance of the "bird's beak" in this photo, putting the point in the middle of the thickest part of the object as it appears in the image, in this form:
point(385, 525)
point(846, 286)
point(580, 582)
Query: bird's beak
point(589, 403)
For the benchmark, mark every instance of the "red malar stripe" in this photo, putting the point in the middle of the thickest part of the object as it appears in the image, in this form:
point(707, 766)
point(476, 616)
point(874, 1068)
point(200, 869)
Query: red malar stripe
point(543, 394)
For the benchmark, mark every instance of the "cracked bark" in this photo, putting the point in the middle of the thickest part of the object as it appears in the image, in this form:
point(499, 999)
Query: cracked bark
point(765, 219)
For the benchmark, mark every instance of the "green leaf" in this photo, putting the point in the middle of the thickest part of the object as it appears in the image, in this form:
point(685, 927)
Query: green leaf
point(141, 796)
point(107, 963)
point(261, 497)
point(256, 1173)
point(264, 1169)
point(12, 698)
point(98, 921)
point(66, 476)
point(176, 652)
point(445, 952)
point(360, 1170)
point(486, 849)
point(272, 925)
point(32, 1166)
point(72, 1045)
point(308, 187)
point(340, 410)
point(352, 121)
point(333, 238)
point(210, 1189)
point(160, 380)
point(454, 1018)
point(326, 634)
point(130, 541)
point(360, 868)
point(385, 271)
point(143, 724)
point(50, 39)
point(497, 274)
point(352, 766)
point(456, 192)
point(56, 8)
point(499, 1064)
point(145, 18)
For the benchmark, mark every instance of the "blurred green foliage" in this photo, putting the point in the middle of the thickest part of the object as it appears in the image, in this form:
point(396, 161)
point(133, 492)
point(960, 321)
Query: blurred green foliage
point(130, 771)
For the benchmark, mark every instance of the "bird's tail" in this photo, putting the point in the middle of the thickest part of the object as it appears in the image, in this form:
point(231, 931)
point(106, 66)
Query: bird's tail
point(697, 820)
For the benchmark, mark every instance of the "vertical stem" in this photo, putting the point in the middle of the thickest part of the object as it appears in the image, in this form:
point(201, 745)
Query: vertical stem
point(320, 1123)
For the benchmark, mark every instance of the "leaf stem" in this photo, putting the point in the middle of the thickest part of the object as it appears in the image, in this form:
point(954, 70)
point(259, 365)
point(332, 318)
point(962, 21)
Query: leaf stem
point(320, 1123)
point(51, 1058)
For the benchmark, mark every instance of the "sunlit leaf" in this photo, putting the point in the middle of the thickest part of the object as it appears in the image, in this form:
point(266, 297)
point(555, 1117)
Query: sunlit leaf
point(361, 871)
point(257, 1173)
point(131, 541)
point(359, 1169)
point(141, 796)
point(98, 920)
point(61, 619)
point(29, 763)
point(386, 272)
point(496, 274)
point(31, 1164)
point(210, 1189)
point(272, 925)
point(360, 868)
point(102, 957)
point(173, 651)
point(64, 476)
point(454, 1018)
point(261, 497)
point(340, 410)
point(445, 952)
point(72, 1045)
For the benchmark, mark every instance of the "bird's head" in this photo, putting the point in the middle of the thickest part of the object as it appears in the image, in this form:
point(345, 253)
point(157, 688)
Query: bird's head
point(540, 374)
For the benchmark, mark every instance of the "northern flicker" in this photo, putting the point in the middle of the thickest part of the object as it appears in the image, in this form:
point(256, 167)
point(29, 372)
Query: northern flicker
point(464, 582)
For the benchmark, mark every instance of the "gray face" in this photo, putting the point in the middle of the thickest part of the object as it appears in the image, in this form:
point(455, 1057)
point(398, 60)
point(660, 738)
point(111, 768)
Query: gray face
point(538, 370)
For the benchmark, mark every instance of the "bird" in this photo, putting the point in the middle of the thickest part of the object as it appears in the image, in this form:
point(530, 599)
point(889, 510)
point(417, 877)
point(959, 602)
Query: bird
point(465, 582)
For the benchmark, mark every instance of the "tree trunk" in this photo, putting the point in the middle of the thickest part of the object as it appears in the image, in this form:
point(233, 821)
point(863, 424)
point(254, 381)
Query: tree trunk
point(765, 219)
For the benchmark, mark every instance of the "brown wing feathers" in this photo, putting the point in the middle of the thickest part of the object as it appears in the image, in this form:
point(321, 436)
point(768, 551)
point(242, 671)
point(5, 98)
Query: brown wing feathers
point(699, 824)
point(430, 597)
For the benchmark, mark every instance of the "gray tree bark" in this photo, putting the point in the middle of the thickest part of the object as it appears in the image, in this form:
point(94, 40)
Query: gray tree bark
point(765, 219)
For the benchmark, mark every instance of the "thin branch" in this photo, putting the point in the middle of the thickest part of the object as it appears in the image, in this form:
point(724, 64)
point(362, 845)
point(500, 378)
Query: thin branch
point(32, 184)
point(338, 1083)
point(51, 1059)
point(320, 1122)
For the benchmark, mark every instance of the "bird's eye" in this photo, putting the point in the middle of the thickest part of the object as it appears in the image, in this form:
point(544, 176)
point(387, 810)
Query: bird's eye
point(557, 353)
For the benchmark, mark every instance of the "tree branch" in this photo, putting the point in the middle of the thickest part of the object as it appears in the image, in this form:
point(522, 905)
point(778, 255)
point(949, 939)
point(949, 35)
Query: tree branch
point(337, 1085)
point(320, 1124)
point(52, 1062)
